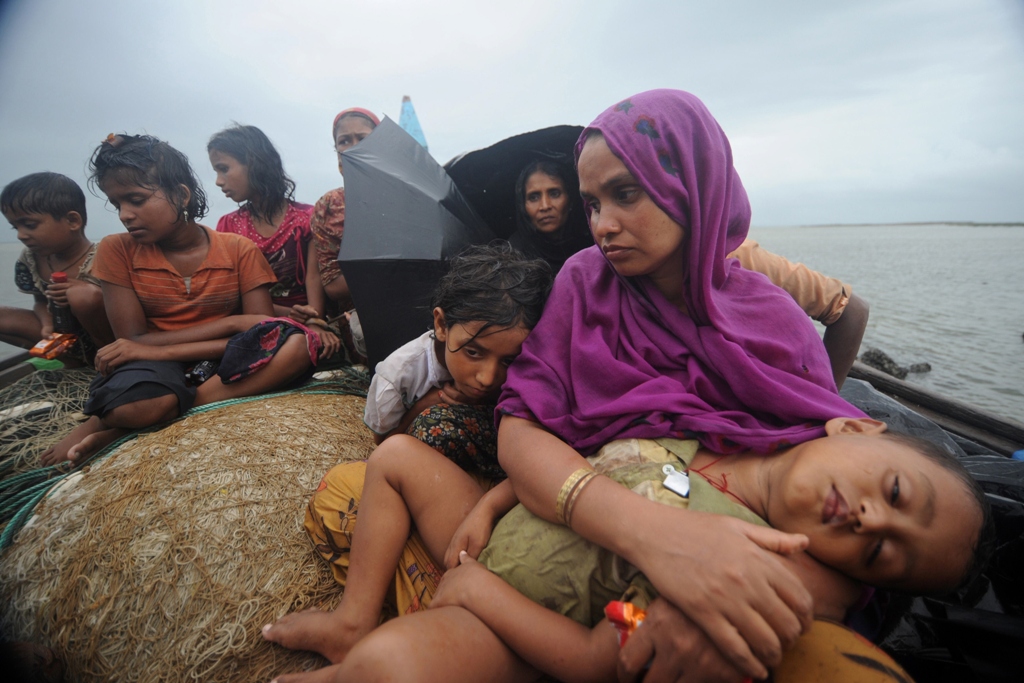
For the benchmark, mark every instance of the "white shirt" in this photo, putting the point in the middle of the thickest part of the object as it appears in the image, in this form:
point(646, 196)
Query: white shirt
point(400, 380)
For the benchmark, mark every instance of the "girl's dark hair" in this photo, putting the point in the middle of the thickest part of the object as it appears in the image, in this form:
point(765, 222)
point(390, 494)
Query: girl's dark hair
point(146, 161)
point(985, 545)
point(494, 284)
point(556, 169)
point(45, 192)
point(270, 188)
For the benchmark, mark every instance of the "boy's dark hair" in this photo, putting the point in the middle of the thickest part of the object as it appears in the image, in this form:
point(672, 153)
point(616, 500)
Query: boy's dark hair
point(493, 284)
point(270, 188)
point(555, 169)
point(44, 192)
point(985, 545)
point(146, 161)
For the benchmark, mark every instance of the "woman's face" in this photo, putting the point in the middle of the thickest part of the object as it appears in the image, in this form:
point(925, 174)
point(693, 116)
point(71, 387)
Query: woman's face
point(547, 203)
point(350, 131)
point(636, 236)
point(148, 215)
point(877, 510)
point(232, 176)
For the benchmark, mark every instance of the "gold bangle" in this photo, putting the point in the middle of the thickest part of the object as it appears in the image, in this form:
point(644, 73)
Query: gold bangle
point(563, 494)
point(570, 504)
point(319, 322)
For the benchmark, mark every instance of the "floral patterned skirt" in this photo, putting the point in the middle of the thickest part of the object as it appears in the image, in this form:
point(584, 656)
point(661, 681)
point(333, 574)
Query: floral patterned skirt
point(249, 351)
point(465, 434)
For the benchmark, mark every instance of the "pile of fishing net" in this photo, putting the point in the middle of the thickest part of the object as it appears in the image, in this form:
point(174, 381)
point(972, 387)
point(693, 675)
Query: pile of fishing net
point(163, 558)
point(35, 412)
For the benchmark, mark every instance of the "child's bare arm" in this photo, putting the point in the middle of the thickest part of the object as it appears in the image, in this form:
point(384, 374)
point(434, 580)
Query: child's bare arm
point(42, 313)
point(842, 338)
point(474, 532)
point(554, 644)
point(315, 295)
point(429, 399)
point(833, 593)
point(128, 320)
point(122, 351)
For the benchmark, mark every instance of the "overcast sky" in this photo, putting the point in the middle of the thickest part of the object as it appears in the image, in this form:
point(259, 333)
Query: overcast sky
point(838, 112)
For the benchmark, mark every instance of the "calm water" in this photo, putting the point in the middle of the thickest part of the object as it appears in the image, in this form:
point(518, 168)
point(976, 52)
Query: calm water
point(951, 296)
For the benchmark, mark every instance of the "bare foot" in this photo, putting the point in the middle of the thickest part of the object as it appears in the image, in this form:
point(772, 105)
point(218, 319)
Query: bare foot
point(325, 632)
point(92, 444)
point(328, 673)
point(59, 452)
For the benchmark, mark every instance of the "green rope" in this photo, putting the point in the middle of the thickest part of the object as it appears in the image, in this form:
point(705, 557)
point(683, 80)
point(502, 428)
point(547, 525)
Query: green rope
point(11, 506)
point(22, 502)
point(18, 479)
point(14, 526)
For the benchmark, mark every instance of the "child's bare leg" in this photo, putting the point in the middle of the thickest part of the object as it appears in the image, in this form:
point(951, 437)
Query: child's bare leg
point(87, 307)
point(289, 362)
point(59, 451)
point(95, 433)
point(93, 443)
point(446, 645)
point(19, 327)
point(406, 481)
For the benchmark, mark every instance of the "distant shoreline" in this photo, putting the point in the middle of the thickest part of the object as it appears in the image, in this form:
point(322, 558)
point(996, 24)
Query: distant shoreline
point(965, 224)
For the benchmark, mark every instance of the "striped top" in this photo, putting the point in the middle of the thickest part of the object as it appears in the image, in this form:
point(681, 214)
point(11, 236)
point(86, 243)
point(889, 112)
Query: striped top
point(233, 266)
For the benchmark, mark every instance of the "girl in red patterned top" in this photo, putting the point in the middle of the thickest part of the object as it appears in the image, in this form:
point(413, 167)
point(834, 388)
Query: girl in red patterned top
point(250, 172)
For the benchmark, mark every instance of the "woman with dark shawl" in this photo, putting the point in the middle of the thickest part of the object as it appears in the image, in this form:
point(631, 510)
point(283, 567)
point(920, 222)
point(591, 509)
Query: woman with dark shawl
point(549, 213)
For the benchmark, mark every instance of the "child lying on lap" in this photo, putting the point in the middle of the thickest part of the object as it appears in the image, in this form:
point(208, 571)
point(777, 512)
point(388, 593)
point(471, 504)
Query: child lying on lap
point(886, 510)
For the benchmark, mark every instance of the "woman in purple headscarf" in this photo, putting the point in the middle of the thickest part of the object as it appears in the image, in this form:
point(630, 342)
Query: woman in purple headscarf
point(653, 333)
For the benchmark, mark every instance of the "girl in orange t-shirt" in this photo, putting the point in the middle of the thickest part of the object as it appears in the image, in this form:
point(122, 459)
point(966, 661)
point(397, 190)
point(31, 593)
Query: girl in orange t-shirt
point(176, 293)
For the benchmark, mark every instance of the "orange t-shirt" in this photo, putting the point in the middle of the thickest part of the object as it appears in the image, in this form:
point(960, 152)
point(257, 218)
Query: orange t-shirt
point(822, 298)
point(233, 266)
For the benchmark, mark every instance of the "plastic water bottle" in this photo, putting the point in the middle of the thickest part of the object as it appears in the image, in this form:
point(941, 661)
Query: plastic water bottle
point(63, 321)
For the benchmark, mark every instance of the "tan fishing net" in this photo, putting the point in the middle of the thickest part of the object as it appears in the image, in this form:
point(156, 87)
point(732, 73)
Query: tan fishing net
point(163, 560)
point(36, 412)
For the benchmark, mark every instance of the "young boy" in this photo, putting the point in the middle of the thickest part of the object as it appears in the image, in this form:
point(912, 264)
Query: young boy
point(48, 212)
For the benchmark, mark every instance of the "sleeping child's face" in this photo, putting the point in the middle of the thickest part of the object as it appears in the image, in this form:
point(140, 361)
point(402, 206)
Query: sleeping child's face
point(879, 511)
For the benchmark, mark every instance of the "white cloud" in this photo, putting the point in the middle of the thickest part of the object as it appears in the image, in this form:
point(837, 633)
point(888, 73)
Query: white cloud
point(831, 107)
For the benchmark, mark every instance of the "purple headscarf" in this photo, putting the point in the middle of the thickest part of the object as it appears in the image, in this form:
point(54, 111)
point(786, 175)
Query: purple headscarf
point(613, 359)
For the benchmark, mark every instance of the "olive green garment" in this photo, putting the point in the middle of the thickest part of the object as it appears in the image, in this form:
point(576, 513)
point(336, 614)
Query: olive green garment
point(559, 569)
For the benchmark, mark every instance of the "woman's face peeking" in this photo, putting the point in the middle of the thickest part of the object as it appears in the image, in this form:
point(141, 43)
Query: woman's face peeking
point(148, 215)
point(232, 176)
point(547, 203)
point(636, 236)
point(478, 360)
point(350, 131)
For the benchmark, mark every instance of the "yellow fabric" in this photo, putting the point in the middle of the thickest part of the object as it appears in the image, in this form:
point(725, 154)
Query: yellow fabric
point(557, 568)
point(831, 652)
point(331, 520)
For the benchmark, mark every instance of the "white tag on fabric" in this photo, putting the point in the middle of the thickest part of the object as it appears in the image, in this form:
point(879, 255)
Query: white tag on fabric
point(676, 481)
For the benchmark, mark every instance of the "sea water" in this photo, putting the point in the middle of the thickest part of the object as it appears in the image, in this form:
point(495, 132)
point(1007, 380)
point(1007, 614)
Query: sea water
point(948, 295)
